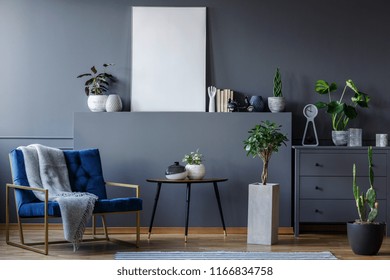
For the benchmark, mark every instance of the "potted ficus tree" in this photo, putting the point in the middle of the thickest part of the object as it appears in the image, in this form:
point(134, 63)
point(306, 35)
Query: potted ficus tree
point(263, 198)
point(365, 235)
point(96, 86)
point(341, 111)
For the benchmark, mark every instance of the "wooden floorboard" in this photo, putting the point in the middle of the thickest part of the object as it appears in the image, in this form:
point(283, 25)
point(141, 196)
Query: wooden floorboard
point(336, 243)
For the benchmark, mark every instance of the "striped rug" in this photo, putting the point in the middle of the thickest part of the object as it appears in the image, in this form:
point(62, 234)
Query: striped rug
point(224, 255)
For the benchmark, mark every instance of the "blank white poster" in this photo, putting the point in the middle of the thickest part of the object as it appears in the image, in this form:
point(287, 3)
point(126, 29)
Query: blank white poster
point(168, 59)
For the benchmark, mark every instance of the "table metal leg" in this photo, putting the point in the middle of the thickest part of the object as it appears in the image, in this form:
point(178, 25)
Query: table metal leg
point(219, 206)
point(154, 208)
point(188, 199)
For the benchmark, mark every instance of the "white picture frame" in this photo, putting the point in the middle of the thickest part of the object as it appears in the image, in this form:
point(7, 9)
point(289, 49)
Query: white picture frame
point(168, 59)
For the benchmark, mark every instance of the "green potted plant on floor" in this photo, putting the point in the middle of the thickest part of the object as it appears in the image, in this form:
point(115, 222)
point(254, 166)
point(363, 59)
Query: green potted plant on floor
point(96, 86)
point(263, 199)
point(341, 111)
point(365, 236)
point(277, 102)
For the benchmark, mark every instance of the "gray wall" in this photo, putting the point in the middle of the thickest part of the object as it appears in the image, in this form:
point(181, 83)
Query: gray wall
point(139, 145)
point(45, 44)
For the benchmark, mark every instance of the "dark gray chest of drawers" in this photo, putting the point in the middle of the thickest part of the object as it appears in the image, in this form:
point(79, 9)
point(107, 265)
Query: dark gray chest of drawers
point(323, 183)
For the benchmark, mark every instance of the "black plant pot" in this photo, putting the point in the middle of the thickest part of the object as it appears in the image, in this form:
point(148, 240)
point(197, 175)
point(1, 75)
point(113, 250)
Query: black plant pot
point(365, 239)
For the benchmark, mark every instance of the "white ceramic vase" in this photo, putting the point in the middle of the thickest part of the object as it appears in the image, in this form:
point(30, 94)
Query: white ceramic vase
point(97, 103)
point(195, 171)
point(114, 103)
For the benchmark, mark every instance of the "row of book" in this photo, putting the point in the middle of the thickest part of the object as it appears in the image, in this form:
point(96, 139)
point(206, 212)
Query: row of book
point(222, 99)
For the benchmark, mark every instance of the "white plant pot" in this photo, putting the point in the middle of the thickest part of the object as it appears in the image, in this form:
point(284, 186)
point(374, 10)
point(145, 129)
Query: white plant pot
point(263, 214)
point(276, 104)
point(97, 103)
point(195, 171)
point(340, 137)
point(114, 103)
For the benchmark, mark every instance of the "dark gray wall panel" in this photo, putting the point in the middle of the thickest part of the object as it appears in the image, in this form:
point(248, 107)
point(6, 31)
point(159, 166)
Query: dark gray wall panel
point(137, 146)
point(46, 43)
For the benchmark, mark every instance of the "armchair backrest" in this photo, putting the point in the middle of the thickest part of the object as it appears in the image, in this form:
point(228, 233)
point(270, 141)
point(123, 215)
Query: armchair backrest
point(84, 168)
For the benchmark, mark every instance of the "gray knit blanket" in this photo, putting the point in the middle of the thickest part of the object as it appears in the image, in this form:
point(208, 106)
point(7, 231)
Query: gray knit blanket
point(46, 168)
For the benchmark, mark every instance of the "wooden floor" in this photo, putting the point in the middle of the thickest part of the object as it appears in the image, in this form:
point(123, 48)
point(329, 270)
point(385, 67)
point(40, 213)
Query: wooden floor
point(102, 250)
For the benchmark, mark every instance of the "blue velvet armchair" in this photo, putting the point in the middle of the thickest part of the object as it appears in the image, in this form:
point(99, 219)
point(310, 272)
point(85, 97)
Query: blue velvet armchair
point(85, 175)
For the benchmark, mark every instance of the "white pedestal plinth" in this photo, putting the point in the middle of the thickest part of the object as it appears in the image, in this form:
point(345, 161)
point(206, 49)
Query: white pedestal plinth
point(263, 214)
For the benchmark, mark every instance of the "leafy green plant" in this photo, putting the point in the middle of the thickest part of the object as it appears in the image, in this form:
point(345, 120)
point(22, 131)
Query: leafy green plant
point(264, 139)
point(367, 200)
point(99, 82)
point(195, 158)
point(340, 111)
point(278, 84)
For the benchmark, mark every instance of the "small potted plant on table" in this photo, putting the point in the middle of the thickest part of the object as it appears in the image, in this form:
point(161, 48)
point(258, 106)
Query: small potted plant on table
point(365, 236)
point(194, 166)
point(263, 199)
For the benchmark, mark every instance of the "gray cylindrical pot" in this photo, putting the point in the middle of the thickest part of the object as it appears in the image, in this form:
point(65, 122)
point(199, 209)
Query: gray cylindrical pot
point(365, 239)
point(340, 137)
point(276, 104)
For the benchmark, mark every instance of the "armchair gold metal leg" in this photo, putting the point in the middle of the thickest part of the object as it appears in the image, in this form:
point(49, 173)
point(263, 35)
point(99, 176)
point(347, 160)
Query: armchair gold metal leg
point(138, 229)
point(93, 226)
point(105, 227)
point(7, 214)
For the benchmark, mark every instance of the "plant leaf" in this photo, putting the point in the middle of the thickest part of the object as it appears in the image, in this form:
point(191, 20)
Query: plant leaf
point(93, 69)
point(83, 75)
point(350, 111)
point(351, 85)
point(322, 87)
point(361, 99)
point(335, 107)
point(321, 105)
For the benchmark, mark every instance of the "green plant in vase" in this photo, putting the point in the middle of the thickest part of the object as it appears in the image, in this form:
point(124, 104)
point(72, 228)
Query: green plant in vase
point(194, 166)
point(341, 110)
point(277, 102)
point(365, 235)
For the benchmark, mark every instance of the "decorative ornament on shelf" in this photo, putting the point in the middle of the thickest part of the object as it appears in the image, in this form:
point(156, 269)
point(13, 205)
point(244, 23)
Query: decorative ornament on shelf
point(310, 111)
point(194, 166)
point(176, 172)
point(212, 91)
point(114, 103)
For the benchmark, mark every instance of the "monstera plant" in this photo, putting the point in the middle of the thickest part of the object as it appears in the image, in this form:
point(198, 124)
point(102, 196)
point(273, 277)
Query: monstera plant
point(341, 111)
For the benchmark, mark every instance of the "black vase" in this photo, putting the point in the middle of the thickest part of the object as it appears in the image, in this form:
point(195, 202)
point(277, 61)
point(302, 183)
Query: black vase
point(365, 239)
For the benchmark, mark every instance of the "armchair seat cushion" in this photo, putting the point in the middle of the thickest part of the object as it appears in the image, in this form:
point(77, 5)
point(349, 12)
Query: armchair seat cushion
point(118, 205)
point(37, 209)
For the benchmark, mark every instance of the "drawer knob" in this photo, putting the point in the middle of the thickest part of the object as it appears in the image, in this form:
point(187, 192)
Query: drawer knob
point(318, 165)
point(318, 211)
point(318, 188)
